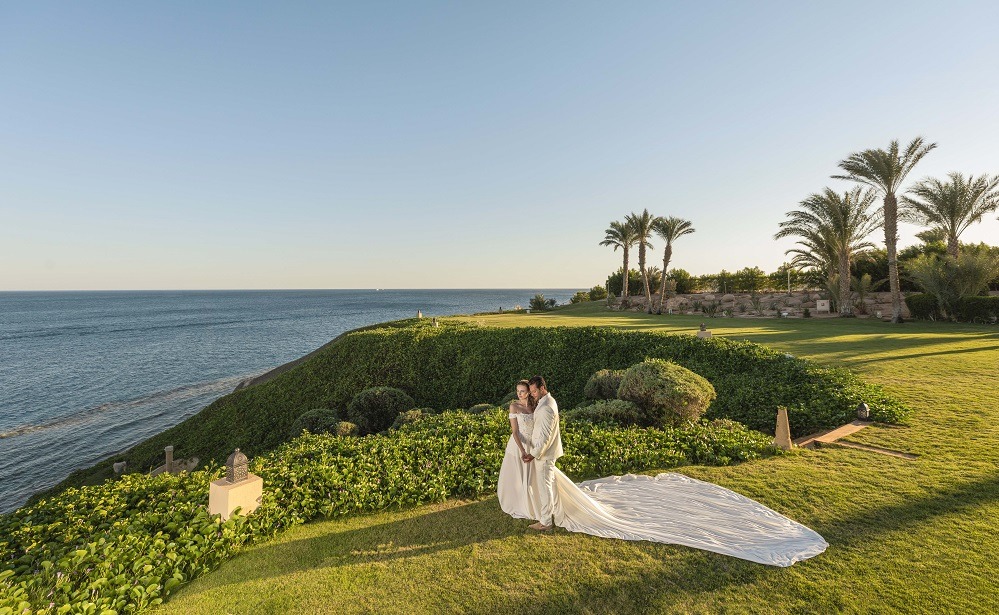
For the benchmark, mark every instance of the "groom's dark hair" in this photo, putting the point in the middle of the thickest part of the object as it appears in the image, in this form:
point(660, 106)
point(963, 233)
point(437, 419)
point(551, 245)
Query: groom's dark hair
point(537, 381)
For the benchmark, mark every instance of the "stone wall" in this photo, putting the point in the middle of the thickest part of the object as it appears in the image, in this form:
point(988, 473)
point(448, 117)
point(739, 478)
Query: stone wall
point(764, 304)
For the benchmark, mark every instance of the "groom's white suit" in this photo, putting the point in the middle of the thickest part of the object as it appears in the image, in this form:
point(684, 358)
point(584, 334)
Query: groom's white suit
point(546, 447)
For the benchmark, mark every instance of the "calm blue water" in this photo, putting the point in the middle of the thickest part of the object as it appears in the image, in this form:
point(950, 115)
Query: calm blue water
point(84, 375)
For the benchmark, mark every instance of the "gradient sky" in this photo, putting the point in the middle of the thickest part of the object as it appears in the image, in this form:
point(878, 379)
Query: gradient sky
point(189, 145)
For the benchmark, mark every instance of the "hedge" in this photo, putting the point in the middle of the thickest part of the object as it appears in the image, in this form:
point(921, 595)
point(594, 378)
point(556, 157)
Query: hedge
point(457, 365)
point(926, 307)
point(124, 545)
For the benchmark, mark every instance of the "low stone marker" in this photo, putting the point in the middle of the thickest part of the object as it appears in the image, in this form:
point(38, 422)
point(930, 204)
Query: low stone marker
point(822, 305)
point(703, 333)
point(239, 489)
point(782, 435)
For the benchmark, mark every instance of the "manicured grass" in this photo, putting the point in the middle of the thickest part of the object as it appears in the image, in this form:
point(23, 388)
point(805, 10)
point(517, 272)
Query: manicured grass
point(905, 536)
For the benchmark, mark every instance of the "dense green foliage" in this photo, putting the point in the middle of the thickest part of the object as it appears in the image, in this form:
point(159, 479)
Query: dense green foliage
point(375, 409)
point(923, 306)
point(124, 545)
point(926, 307)
point(970, 308)
point(456, 365)
point(603, 384)
point(667, 393)
point(606, 412)
point(320, 420)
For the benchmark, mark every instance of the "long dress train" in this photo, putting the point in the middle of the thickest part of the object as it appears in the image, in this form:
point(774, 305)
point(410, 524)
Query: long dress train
point(675, 509)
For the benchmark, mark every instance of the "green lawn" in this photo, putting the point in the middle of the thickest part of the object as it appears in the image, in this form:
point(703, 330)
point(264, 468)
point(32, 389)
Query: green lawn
point(904, 536)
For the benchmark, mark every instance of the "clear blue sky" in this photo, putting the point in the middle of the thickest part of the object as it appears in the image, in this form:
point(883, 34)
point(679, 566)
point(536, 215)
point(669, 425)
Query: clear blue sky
point(462, 144)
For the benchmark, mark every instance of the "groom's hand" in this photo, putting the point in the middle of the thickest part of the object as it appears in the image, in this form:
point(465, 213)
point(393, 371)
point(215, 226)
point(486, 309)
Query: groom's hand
point(528, 458)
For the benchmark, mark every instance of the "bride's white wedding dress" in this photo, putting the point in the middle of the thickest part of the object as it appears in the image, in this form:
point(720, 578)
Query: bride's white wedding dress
point(668, 508)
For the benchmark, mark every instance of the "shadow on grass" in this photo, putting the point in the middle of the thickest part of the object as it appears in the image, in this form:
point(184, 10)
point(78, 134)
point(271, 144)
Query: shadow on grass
point(412, 536)
point(866, 525)
point(666, 567)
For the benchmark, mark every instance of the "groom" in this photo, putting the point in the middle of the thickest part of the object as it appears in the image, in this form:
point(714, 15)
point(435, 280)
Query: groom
point(546, 447)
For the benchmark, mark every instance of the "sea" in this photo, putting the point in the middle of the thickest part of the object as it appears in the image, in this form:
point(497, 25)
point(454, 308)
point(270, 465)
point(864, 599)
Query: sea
point(86, 375)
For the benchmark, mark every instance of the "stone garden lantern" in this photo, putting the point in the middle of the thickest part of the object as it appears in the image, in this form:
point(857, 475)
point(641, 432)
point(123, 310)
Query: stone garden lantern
point(236, 467)
point(863, 412)
point(239, 489)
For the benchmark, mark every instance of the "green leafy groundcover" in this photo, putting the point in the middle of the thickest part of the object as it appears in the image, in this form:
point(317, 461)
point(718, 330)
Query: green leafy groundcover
point(124, 545)
point(458, 365)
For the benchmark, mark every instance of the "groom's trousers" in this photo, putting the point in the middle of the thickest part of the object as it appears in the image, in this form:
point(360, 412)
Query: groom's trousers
point(546, 486)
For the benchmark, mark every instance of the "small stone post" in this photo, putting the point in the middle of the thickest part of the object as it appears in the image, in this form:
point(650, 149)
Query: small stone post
point(419, 313)
point(782, 436)
point(169, 459)
point(703, 333)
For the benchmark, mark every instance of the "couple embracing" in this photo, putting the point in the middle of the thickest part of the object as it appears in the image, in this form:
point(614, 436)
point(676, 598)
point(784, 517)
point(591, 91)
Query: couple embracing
point(526, 487)
point(669, 508)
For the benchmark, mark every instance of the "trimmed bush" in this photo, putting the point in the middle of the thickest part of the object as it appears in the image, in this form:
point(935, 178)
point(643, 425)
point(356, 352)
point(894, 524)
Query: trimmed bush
point(667, 393)
point(606, 412)
point(343, 428)
point(320, 420)
point(125, 545)
point(375, 409)
point(968, 308)
point(603, 384)
point(923, 307)
point(456, 365)
point(480, 408)
point(407, 417)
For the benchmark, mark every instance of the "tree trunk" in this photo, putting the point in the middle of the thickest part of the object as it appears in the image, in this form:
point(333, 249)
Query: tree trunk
point(624, 277)
point(667, 254)
point(891, 244)
point(845, 307)
point(645, 276)
point(952, 245)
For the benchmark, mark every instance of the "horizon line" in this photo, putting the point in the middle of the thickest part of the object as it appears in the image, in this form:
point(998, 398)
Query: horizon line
point(173, 290)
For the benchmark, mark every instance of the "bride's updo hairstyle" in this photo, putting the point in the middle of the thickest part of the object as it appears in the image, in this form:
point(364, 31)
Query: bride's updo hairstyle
point(527, 385)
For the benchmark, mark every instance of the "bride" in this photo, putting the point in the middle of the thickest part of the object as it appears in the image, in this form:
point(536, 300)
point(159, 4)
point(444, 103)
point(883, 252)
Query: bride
point(668, 508)
point(518, 487)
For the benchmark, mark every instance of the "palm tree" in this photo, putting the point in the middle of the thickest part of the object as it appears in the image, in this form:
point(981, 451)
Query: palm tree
point(620, 235)
point(951, 207)
point(836, 227)
point(641, 225)
point(670, 229)
point(885, 170)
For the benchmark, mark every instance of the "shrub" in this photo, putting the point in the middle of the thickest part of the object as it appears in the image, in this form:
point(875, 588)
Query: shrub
point(969, 308)
point(950, 279)
point(667, 393)
point(606, 412)
point(125, 545)
point(343, 428)
point(540, 304)
point(598, 293)
point(480, 408)
point(923, 306)
point(581, 296)
point(407, 417)
point(603, 384)
point(320, 420)
point(375, 409)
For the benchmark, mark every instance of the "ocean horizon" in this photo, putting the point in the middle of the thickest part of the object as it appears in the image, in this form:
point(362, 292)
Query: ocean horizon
point(89, 374)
